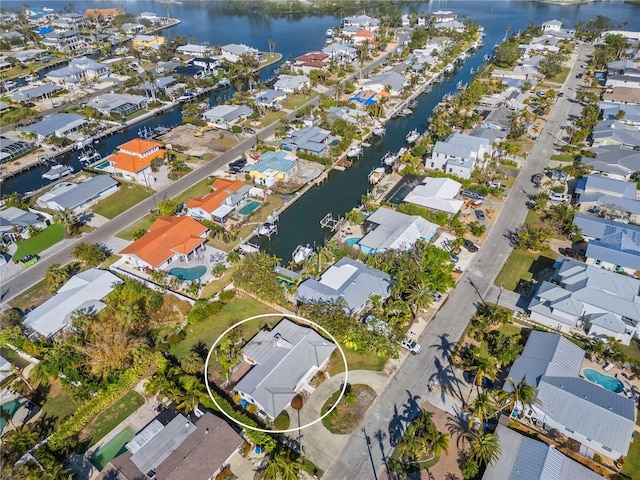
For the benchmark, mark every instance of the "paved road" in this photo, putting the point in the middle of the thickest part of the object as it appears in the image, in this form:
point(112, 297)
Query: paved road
point(363, 456)
point(12, 287)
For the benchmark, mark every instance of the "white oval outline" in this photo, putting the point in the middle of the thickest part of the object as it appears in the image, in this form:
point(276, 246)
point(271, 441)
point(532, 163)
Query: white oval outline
point(280, 315)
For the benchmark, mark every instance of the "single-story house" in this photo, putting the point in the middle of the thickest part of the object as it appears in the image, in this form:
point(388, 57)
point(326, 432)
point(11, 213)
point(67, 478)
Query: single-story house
point(270, 98)
point(225, 116)
point(524, 457)
point(10, 149)
point(611, 111)
point(233, 51)
point(367, 97)
point(612, 245)
point(600, 420)
point(194, 50)
point(273, 167)
point(15, 223)
point(456, 25)
point(361, 21)
point(393, 81)
point(350, 115)
point(147, 42)
point(218, 205)
point(77, 70)
point(6, 369)
point(82, 292)
point(609, 193)
point(103, 13)
point(364, 36)
point(498, 118)
point(133, 160)
point(312, 140)
point(626, 81)
point(615, 132)
point(167, 239)
point(348, 280)
point(175, 447)
point(35, 93)
point(386, 229)
point(590, 299)
point(119, 104)
point(437, 194)
point(283, 361)
point(75, 197)
point(58, 124)
point(623, 95)
point(159, 83)
point(132, 28)
point(291, 83)
point(615, 161)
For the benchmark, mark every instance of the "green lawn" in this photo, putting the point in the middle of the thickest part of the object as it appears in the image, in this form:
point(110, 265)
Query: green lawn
point(234, 311)
point(633, 349)
point(523, 265)
point(632, 460)
point(197, 190)
point(40, 242)
point(294, 101)
point(59, 407)
point(127, 195)
point(563, 157)
point(144, 223)
point(355, 361)
point(268, 118)
point(113, 416)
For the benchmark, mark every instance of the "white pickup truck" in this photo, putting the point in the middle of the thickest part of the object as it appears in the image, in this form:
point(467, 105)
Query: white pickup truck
point(411, 345)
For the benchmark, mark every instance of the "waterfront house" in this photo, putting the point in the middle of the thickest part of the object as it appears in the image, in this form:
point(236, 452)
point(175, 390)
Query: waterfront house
point(454, 25)
point(386, 229)
point(159, 83)
point(588, 299)
point(600, 420)
point(613, 196)
point(63, 41)
point(15, 224)
point(361, 21)
point(459, 154)
point(133, 160)
point(132, 28)
point(350, 115)
point(364, 36)
point(233, 52)
point(283, 361)
point(103, 14)
point(340, 52)
point(611, 111)
point(347, 280)
point(270, 98)
point(367, 97)
point(147, 42)
point(167, 240)
point(614, 161)
point(391, 82)
point(313, 140)
point(225, 116)
point(176, 447)
point(438, 194)
point(551, 26)
point(10, 149)
point(527, 458)
point(153, 17)
point(312, 61)
point(218, 205)
point(291, 83)
point(77, 70)
point(193, 50)
point(58, 124)
point(273, 167)
point(83, 292)
point(207, 64)
point(76, 197)
point(615, 132)
point(39, 92)
point(68, 21)
point(612, 245)
point(118, 104)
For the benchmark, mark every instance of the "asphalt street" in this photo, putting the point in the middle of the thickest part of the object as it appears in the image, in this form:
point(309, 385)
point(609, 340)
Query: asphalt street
point(364, 455)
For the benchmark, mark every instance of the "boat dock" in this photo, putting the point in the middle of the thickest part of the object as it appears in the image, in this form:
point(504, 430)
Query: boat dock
point(331, 223)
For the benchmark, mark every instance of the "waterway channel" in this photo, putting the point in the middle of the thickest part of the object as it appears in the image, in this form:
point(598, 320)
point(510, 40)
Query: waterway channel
point(206, 22)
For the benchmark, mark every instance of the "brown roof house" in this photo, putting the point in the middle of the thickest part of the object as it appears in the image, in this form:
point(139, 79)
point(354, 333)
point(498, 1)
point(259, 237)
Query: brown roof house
point(174, 447)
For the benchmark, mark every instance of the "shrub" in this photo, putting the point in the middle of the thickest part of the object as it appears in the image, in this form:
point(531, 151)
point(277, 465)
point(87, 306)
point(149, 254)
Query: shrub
point(226, 295)
point(597, 458)
point(558, 189)
point(236, 129)
point(282, 421)
point(175, 338)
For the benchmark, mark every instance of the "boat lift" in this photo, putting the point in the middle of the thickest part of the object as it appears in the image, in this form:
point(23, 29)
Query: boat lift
point(331, 223)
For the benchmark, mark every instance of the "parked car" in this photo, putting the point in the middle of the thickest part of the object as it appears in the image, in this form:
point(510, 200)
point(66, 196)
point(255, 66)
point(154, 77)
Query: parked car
point(541, 94)
point(476, 204)
point(437, 296)
point(411, 345)
point(472, 194)
point(494, 184)
point(570, 252)
point(454, 257)
point(537, 179)
point(559, 197)
point(249, 130)
point(469, 245)
point(479, 214)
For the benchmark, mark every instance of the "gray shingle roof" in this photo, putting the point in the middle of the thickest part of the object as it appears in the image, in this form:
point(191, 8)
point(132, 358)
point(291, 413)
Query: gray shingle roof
point(608, 185)
point(283, 357)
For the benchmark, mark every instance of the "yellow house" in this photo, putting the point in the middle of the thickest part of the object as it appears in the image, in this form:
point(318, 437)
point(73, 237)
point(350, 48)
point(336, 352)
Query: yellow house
point(273, 167)
point(145, 42)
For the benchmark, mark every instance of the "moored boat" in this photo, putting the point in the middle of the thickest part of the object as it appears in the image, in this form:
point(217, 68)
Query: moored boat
point(376, 175)
point(58, 171)
point(186, 97)
point(355, 151)
point(267, 228)
point(412, 136)
point(89, 156)
point(389, 158)
point(301, 253)
point(379, 130)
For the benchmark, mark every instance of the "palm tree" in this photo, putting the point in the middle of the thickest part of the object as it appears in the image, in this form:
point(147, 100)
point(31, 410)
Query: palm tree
point(192, 363)
point(280, 467)
point(484, 447)
point(419, 297)
point(522, 393)
point(439, 442)
point(482, 408)
point(191, 394)
point(56, 275)
point(67, 219)
point(484, 367)
point(412, 445)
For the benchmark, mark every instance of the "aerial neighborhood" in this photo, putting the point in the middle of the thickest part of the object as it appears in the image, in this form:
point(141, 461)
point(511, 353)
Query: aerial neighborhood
point(394, 244)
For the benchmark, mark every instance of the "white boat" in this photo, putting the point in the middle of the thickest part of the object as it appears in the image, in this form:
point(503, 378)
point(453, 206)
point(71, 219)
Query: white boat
point(329, 32)
point(58, 171)
point(389, 158)
point(301, 253)
point(186, 97)
point(405, 112)
point(82, 143)
point(354, 151)
point(376, 175)
point(89, 156)
point(379, 130)
point(412, 136)
point(224, 82)
point(267, 229)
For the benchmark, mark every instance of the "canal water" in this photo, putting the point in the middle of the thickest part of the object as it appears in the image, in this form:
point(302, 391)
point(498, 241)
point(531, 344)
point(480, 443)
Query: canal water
point(208, 22)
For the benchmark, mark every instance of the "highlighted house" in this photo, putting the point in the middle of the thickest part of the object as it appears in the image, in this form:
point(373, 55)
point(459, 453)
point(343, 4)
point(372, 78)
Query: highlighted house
point(218, 205)
point(273, 167)
point(133, 160)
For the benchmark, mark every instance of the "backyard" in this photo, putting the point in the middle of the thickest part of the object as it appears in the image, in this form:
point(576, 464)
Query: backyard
point(632, 460)
point(112, 417)
point(127, 195)
point(40, 242)
point(58, 404)
point(524, 266)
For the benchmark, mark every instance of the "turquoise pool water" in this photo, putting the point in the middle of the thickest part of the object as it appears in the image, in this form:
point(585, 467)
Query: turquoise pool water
point(606, 381)
point(102, 166)
point(351, 241)
point(248, 208)
point(191, 273)
point(112, 448)
point(11, 408)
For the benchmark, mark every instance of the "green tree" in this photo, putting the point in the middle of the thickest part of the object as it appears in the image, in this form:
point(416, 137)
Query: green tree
point(192, 392)
point(168, 207)
point(533, 238)
point(521, 393)
point(507, 53)
point(89, 254)
point(541, 202)
point(255, 274)
point(56, 276)
point(483, 408)
point(484, 448)
point(281, 466)
point(67, 219)
point(420, 297)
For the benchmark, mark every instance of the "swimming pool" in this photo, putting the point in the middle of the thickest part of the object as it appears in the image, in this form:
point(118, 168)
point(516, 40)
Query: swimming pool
point(248, 208)
point(11, 408)
point(191, 273)
point(102, 166)
point(352, 241)
point(606, 381)
point(112, 448)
